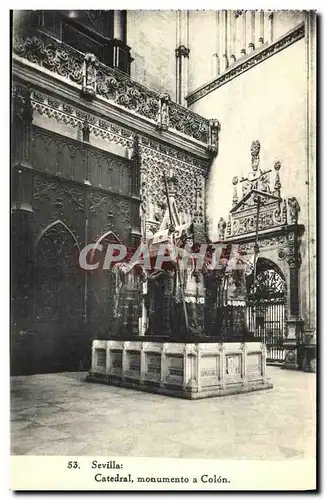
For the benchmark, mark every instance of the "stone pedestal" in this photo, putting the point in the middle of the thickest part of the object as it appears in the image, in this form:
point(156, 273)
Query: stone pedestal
point(293, 345)
point(309, 360)
point(185, 370)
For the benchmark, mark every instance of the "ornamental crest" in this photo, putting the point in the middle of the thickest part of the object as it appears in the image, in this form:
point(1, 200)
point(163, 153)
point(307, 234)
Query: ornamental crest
point(261, 188)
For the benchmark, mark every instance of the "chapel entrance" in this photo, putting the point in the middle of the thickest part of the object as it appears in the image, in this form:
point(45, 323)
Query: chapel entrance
point(267, 308)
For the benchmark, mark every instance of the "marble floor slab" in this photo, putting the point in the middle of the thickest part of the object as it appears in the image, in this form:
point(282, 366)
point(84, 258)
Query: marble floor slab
point(62, 414)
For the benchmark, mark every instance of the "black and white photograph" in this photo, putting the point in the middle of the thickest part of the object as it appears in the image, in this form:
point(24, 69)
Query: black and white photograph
point(163, 248)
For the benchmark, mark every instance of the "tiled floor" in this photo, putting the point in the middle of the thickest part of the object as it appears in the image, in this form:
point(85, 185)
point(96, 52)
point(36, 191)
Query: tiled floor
point(61, 414)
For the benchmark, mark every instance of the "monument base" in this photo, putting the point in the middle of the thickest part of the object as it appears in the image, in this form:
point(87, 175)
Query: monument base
point(184, 370)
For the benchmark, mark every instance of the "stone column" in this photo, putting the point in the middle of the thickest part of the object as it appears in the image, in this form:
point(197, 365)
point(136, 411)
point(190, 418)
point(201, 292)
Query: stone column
point(270, 27)
point(119, 52)
point(215, 57)
point(124, 360)
point(108, 358)
point(232, 36)
point(119, 25)
point(224, 28)
point(293, 342)
point(22, 192)
point(251, 30)
point(182, 56)
point(21, 224)
point(243, 33)
point(261, 28)
point(142, 363)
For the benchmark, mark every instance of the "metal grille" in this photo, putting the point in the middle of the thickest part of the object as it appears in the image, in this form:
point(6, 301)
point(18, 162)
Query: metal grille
point(266, 312)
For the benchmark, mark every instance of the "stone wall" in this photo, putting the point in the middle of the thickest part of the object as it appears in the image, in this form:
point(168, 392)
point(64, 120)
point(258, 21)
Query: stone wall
point(152, 38)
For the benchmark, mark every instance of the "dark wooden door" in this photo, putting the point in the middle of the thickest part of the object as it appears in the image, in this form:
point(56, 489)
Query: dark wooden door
point(58, 326)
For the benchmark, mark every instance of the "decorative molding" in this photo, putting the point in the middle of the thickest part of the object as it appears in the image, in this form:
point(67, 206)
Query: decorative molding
point(248, 62)
point(153, 157)
point(75, 117)
point(97, 79)
point(272, 241)
point(43, 83)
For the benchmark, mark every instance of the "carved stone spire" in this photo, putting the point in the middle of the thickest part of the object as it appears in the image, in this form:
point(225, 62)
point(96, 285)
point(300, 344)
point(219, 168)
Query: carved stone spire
point(229, 226)
point(235, 199)
point(284, 213)
point(172, 183)
point(255, 159)
point(277, 185)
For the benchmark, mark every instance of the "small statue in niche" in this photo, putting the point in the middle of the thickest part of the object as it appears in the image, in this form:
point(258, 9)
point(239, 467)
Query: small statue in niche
point(89, 76)
point(86, 130)
point(221, 229)
point(294, 209)
point(163, 112)
point(214, 127)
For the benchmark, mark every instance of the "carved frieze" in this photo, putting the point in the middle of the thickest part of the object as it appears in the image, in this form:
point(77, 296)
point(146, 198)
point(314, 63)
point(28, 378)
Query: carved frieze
point(58, 192)
point(70, 115)
point(244, 218)
point(96, 78)
point(260, 199)
point(272, 241)
point(52, 55)
point(188, 200)
point(189, 123)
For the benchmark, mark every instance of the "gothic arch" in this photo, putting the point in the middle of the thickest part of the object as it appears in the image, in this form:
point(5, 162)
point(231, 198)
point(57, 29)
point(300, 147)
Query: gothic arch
point(107, 236)
point(52, 225)
point(58, 300)
point(270, 279)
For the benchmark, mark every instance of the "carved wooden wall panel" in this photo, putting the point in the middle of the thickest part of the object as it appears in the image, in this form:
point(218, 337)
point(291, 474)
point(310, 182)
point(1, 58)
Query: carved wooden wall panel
point(71, 159)
point(56, 199)
point(67, 309)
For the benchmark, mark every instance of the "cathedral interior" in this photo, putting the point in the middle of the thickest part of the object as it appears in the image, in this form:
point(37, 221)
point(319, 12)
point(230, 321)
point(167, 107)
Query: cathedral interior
point(136, 127)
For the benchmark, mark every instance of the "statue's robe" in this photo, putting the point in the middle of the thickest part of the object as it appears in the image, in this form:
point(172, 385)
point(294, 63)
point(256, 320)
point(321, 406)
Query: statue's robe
point(127, 301)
